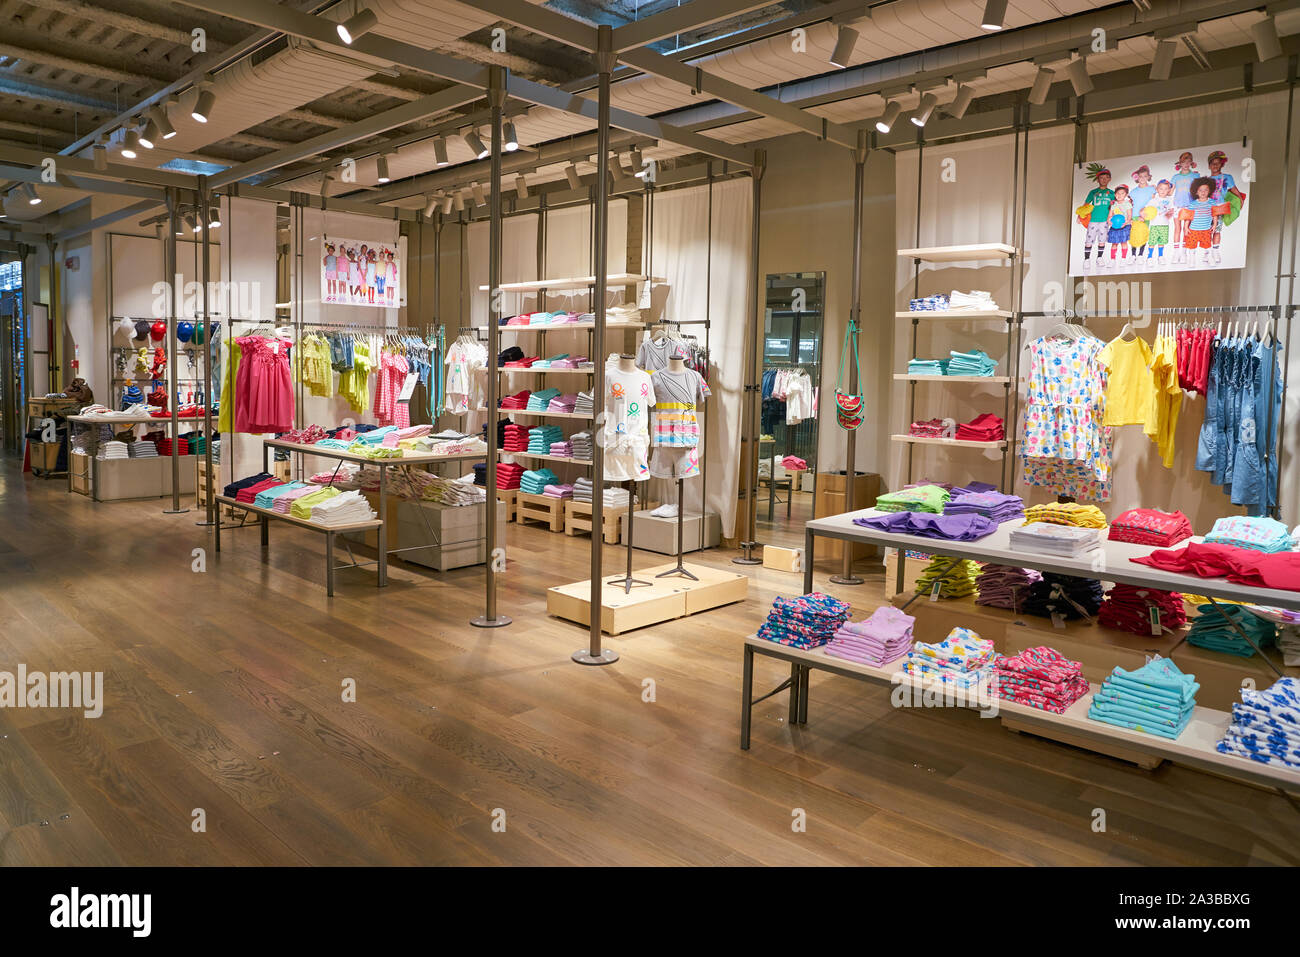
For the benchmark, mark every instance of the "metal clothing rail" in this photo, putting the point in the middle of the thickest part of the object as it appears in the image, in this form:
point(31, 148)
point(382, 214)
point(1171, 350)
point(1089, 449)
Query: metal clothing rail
point(1159, 311)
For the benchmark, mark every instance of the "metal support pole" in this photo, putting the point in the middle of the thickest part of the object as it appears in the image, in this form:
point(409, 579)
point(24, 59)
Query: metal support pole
point(846, 576)
point(496, 103)
point(750, 413)
point(170, 343)
point(205, 197)
point(53, 324)
point(593, 654)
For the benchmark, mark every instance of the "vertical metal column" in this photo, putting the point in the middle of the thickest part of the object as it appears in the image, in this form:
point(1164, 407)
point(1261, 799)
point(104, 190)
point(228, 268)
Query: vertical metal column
point(170, 342)
point(496, 103)
point(205, 198)
point(846, 576)
point(593, 654)
point(750, 414)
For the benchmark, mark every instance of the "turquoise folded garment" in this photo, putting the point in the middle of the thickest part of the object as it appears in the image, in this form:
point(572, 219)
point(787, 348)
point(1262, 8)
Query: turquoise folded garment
point(266, 498)
point(1161, 674)
point(1118, 697)
point(375, 436)
point(1146, 693)
point(1124, 711)
point(1170, 733)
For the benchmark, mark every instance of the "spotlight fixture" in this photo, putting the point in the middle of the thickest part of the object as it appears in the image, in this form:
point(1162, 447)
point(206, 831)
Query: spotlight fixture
point(150, 135)
point(845, 41)
point(1267, 45)
point(571, 174)
point(180, 228)
point(203, 106)
point(475, 143)
point(158, 230)
point(440, 151)
point(509, 138)
point(521, 186)
point(1163, 62)
point(99, 153)
point(325, 185)
point(214, 218)
point(1077, 71)
point(961, 103)
point(886, 123)
point(479, 197)
point(1197, 51)
point(431, 206)
point(130, 144)
point(447, 202)
point(995, 14)
point(923, 110)
point(359, 24)
point(1042, 83)
point(459, 201)
point(191, 223)
point(381, 169)
point(159, 117)
point(33, 197)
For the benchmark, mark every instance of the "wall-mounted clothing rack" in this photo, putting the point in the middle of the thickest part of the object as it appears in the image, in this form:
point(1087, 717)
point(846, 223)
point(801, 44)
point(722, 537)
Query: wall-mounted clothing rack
point(1161, 311)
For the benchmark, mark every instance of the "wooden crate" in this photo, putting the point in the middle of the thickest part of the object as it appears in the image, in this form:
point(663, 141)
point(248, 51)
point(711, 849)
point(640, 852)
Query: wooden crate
point(540, 508)
point(202, 486)
point(662, 600)
point(577, 518)
point(79, 469)
point(510, 497)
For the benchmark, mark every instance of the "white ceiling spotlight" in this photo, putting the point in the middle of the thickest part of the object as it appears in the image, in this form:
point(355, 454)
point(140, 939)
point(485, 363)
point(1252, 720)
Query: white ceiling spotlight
point(1042, 83)
point(521, 186)
point(845, 41)
point(99, 153)
point(381, 170)
point(923, 110)
point(1077, 71)
point(357, 25)
point(459, 200)
point(961, 103)
point(204, 105)
point(475, 143)
point(149, 135)
point(440, 151)
point(447, 203)
point(509, 137)
point(995, 14)
point(160, 121)
point(886, 122)
point(130, 144)
point(1163, 62)
point(214, 218)
point(571, 174)
point(1267, 45)
point(33, 197)
point(431, 204)
point(480, 198)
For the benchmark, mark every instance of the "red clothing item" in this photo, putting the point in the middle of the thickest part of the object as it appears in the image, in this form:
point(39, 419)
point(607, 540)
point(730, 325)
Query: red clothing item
point(1243, 566)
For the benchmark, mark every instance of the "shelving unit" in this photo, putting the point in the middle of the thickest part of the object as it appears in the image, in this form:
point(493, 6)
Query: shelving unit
point(573, 282)
point(991, 379)
point(969, 443)
point(973, 252)
point(954, 314)
point(539, 457)
point(540, 415)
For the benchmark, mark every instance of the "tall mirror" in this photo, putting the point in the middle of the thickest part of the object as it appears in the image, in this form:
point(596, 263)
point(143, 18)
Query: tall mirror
point(791, 384)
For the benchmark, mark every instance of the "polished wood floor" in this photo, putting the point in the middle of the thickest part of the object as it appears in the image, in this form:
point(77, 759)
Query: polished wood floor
point(224, 694)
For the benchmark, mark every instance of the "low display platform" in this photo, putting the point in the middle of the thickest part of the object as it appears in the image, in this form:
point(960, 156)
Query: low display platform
point(662, 600)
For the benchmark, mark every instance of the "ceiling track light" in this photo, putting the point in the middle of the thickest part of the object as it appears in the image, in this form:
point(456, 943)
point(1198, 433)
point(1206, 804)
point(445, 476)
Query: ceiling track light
point(571, 174)
point(158, 116)
point(995, 14)
point(33, 197)
point(892, 110)
point(961, 103)
point(357, 25)
point(158, 230)
point(149, 135)
point(431, 205)
point(203, 106)
point(440, 151)
point(381, 169)
point(475, 143)
point(1077, 71)
point(214, 218)
point(1163, 62)
point(1197, 51)
point(1042, 84)
point(325, 185)
point(521, 186)
point(131, 144)
point(479, 197)
point(509, 137)
point(459, 201)
point(923, 110)
point(99, 153)
point(193, 224)
point(845, 41)
point(1267, 45)
point(447, 203)
point(1143, 5)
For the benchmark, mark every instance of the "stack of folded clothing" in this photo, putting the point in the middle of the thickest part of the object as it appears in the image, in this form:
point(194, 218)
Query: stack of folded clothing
point(882, 638)
point(509, 354)
point(927, 366)
point(540, 400)
point(563, 403)
point(973, 363)
point(112, 450)
point(143, 449)
point(583, 404)
point(342, 509)
point(1063, 595)
point(1149, 526)
point(794, 463)
point(266, 498)
point(165, 446)
point(962, 660)
point(933, 429)
point(1041, 678)
point(516, 439)
point(455, 492)
point(1055, 539)
point(1156, 698)
point(234, 488)
point(302, 507)
point(1266, 725)
point(995, 506)
point(524, 363)
point(541, 438)
point(581, 442)
point(918, 498)
point(614, 497)
point(562, 449)
point(83, 443)
point(519, 400)
point(1212, 628)
point(285, 501)
point(1249, 531)
point(1003, 586)
point(1066, 513)
point(509, 475)
point(975, 299)
point(534, 481)
point(808, 621)
point(197, 443)
point(1129, 608)
point(307, 436)
point(559, 491)
point(480, 474)
point(955, 581)
point(371, 435)
point(952, 528)
point(983, 428)
point(249, 493)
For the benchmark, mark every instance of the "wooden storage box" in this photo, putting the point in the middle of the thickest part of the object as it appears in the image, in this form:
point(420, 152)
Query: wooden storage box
point(79, 473)
point(577, 518)
point(510, 498)
point(44, 456)
point(830, 499)
point(540, 508)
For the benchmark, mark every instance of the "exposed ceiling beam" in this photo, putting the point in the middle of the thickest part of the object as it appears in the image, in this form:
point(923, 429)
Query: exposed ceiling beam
point(682, 19)
point(24, 174)
point(543, 21)
point(108, 219)
point(112, 172)
point(122, 21)
point(275, 17)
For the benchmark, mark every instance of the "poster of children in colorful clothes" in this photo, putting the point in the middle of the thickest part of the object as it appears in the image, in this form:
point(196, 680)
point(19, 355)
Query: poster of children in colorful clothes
point(1179, 210)
point(360, 272)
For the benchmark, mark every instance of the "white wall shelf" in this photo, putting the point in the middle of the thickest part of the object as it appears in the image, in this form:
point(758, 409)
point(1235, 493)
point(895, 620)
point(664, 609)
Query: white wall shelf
point(955, 254)
point(968, 443)
point(573, 282)
point(955, 314)
point(993, 379)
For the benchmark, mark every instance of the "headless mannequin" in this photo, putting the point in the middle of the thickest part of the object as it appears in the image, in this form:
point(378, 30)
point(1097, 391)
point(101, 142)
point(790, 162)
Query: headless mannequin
point(627, 363)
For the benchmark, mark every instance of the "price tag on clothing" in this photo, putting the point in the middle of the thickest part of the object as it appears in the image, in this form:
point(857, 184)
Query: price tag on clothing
point(934, 591)
point(1156, 629)
point(408, 387)
point(1058, 620)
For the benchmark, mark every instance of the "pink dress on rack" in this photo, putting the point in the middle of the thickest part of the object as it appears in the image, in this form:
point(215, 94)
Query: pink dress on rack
point(388, 386)
point(263, 386)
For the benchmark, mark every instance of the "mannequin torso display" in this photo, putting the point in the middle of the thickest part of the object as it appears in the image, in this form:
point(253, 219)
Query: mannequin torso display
point(678, 392)
point(629, 396)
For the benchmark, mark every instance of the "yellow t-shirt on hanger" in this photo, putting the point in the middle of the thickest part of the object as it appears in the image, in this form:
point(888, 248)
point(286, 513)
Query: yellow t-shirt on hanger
point(1128, 389)
point(1166, 398)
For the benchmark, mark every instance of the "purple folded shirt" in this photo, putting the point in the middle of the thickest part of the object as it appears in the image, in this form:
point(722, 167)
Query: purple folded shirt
point(952, 528)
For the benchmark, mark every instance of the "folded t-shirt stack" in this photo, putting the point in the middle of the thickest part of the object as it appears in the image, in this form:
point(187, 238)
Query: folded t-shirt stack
point(1055, 539)
point(516, 439)
point(614, 496)
point(540, 400)
point(975, 299)
point(480, 474)
point(1150, 526)
point(534, 481)
point(143, 449)
point(233, 489)
point(983, 428)
point(562, 403)
point(794, 463)
point(808, 621)
point(1063, 595)
point(952, 528)
point(540, 438)
point(342, 509)
point(1261, 533)
point(302, 507)
point(455, 492)
point(249, 493)
point(1156, 698)
point(197, 443)
point(927, 366)
point(1004, 586)
point(974, 363)
point(933, 429)
point(992, 505)
point(956, 582)
point(112, 450)
point(509, 475)
point(165, 446)
point(1041, 678)
point(1266, 725)
point(284, 501)
point(962, 660)
point(1066, 513)
point(581, 442)
point(1129, 608)
point(559, 491)
point(562, 449)
point(1211, 629)
point(584, 404)
point(517, 401)
point(266, 498)
point(882, 638)
point(918, 498)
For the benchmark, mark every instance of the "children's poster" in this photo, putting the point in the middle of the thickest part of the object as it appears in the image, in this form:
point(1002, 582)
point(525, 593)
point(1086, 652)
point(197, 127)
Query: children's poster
point(360, 272)
point(1179, 210)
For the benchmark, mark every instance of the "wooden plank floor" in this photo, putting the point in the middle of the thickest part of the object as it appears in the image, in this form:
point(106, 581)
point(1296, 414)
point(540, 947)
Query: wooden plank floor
point(223, 693)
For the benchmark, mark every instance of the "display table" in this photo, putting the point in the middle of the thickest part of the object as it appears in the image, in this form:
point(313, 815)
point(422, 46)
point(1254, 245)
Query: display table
point(111, 480)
